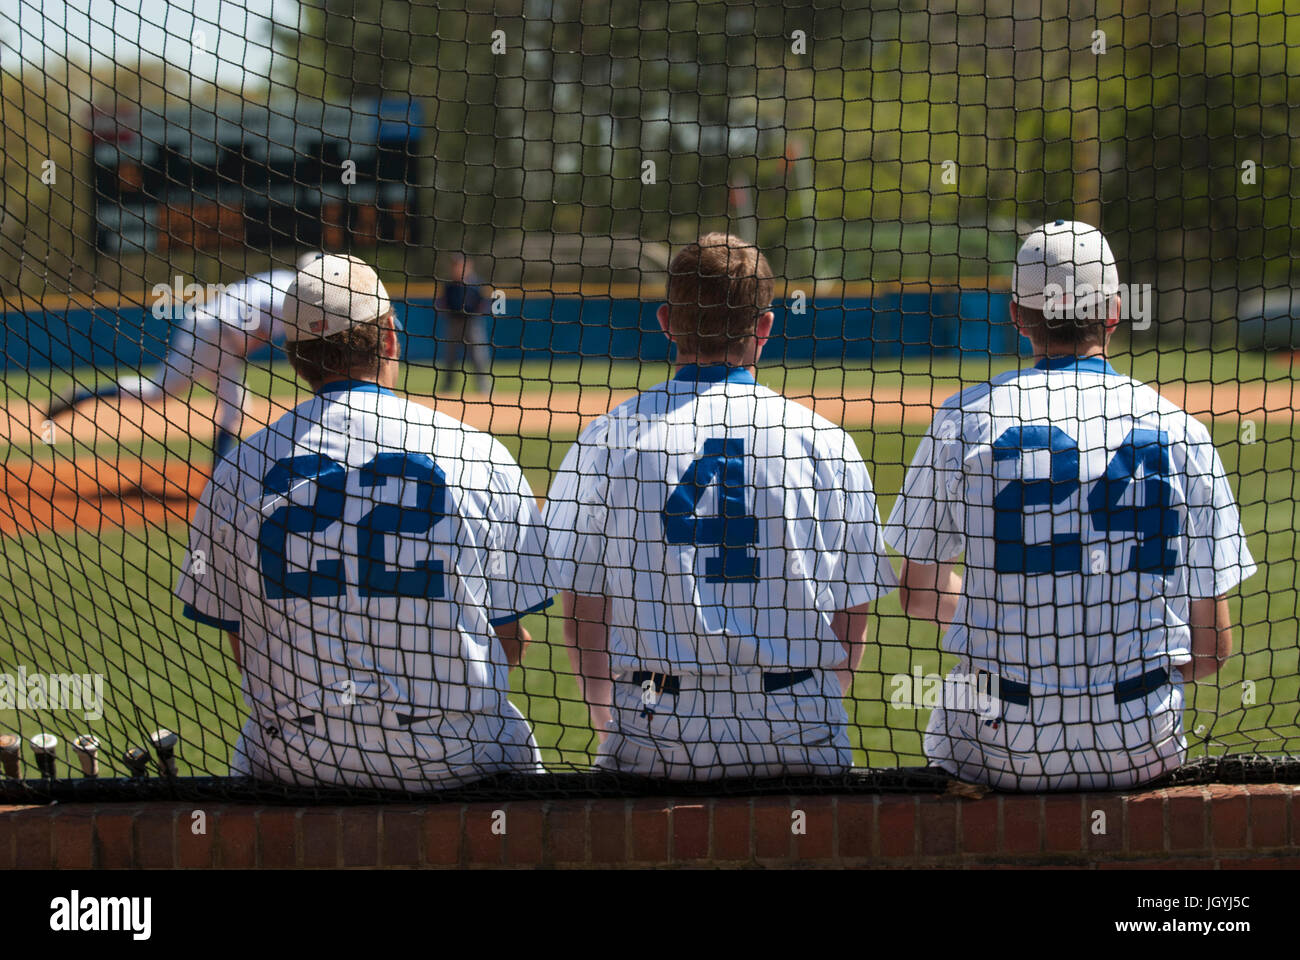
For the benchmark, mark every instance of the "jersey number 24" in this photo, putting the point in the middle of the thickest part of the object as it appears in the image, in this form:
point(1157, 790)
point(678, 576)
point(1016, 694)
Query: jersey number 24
point(1154, 524)
point(375, 578)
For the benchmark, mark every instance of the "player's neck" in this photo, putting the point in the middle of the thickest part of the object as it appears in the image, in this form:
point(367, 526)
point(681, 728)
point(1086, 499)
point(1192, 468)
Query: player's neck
point(683, 362)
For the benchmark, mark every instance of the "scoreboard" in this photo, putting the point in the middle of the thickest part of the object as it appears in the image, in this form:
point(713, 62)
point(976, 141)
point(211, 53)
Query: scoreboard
point(303, 173)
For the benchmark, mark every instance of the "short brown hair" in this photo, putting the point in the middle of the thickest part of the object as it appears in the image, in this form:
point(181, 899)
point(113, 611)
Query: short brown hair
point(1061, 334)
point(355, 352)
point(718, 287)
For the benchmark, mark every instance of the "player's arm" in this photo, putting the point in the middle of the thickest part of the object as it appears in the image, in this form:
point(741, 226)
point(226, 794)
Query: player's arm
point(234, 649)
point(850, 629)
point(587, 638)
point(930, 591)
point(1211, 624)
point(514, 641)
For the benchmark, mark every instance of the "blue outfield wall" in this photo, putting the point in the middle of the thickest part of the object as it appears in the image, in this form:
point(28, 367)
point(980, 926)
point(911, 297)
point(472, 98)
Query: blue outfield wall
point(545, 328)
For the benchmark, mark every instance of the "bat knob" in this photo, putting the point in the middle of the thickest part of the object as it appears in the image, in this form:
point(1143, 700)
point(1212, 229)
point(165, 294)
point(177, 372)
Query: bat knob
point(44, 745)
point(137, 761)
point(87, 748)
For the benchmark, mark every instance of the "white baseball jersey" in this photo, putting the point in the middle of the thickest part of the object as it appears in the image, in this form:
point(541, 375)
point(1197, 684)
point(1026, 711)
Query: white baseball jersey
point(1091, 511)
point(364, 547)
point(726, 523)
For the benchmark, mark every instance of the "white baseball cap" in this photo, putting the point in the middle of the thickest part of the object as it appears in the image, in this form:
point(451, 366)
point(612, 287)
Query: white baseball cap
point(1063, 265)
point(332, 294)
point(308, 258)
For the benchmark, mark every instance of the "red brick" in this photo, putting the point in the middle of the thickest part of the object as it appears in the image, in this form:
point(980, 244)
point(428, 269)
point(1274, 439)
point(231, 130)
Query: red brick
point(1111, 821)
point(1229, 817)
point(74, 846)
point(194, 849)
point(1260, 863)
point(566, 832)
point(690, 832)
point(1144, 821)
point(277, 837)
point(938, 818)
point(155, 836)
point(359, 828)
point(1268, 811)
point(772, 821)
point(33, 839)
point(320, 838)
point(524, 834)
point(1186, 813)
point(979, 825)
point(648, 825)
point(443, 834)
point(1062, 824)
point(732, 829)
point(855, 825)
point(608, 823)
point(1022, 821)
point(236, 837)
point(115, 838)
point(401, 832)
point(482, 846)
point(817, 844)
point(897, 819)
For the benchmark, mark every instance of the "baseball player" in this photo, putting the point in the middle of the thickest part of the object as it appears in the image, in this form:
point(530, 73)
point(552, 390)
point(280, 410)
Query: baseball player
point(1100, 538)
point(370, 559)
point(461, 305)
point(718, 546)
point(209, 345)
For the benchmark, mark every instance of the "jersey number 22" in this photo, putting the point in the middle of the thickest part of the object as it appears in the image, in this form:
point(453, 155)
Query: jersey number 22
point(376, 579)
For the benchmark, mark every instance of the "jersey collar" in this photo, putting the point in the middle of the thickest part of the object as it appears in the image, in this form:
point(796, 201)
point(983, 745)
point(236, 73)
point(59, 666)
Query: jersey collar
point(1096, 364)
point(360, 386)
point(714, 373)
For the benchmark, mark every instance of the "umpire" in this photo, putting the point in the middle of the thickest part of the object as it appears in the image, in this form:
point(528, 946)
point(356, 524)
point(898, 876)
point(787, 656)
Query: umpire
point(370, 559)
point(461, 306)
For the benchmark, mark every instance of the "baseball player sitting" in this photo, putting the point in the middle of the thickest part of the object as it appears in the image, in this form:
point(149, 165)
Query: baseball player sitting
point(1100, 538)
point(209, 345)
point(718, 546)
point(370, 559)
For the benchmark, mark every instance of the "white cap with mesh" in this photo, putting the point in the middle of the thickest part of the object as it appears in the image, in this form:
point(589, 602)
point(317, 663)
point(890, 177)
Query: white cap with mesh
point(331, 294)
point(1064, 266)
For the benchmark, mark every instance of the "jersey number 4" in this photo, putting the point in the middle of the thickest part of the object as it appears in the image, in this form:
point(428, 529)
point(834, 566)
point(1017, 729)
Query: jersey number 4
point(1155, 523)
point(326, 578)
point(722, 464)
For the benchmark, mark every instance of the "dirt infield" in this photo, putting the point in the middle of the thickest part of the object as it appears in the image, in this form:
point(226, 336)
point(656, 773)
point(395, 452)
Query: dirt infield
point(95, 493)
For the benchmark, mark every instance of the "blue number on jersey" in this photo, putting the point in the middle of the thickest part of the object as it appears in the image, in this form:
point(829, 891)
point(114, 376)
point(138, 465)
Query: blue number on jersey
point(326, 578)
point(1010, 552)
point(721, 462)
point(425, 578)
point(1155, 523)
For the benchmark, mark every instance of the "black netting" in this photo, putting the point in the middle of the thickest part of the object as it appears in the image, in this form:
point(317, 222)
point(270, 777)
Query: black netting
point(520, 176)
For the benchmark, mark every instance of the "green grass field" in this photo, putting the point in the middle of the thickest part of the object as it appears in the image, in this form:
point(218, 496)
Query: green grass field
point(90, 602)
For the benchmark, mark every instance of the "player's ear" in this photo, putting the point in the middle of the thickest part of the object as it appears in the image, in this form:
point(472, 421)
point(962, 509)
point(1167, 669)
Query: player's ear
point(662, 316)
point(763, 329)
point(1112, 321)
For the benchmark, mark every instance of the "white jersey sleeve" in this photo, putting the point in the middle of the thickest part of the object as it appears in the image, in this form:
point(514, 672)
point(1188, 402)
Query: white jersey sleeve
point(516, 564)
point(1218, 555)
point(924, 525)
point(207, 584)
point(576, 516)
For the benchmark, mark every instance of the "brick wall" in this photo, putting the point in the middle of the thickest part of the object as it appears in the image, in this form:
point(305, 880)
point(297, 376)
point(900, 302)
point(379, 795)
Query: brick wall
point(1194, 827)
